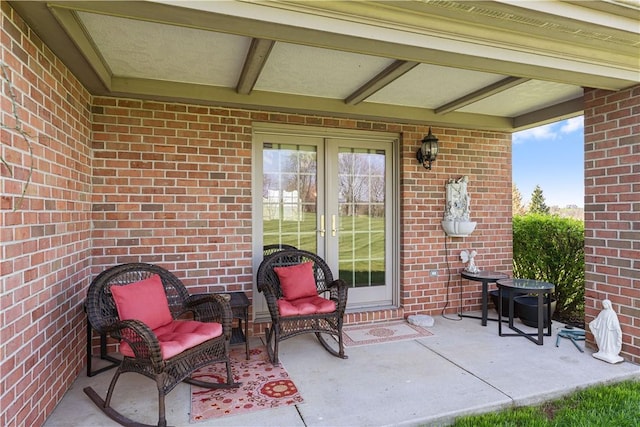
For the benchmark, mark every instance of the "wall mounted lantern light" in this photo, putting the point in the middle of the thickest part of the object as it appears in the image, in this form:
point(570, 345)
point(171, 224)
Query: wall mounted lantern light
point(428, 151)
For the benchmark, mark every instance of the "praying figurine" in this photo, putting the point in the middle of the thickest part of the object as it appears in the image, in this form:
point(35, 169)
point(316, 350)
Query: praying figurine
point(467, 256)
point(608, 335)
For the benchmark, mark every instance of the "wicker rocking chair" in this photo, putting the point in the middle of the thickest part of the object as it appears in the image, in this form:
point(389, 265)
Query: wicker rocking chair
point(270, 249)
point(164, 333)
point(294, 282)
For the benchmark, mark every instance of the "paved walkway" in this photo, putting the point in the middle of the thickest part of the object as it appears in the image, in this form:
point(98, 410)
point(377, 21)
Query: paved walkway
point(463, 368)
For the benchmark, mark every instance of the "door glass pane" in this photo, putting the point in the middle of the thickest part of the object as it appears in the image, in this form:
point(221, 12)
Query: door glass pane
point(289, 195)
point(361, 212)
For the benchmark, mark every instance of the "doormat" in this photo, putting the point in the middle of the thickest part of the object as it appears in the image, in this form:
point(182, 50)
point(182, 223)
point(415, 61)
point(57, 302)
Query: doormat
point(264, 386)
point(378, 333)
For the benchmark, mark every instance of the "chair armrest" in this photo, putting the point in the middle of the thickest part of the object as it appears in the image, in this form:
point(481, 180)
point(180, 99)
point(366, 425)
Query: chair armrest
point(211, 308)
point(271, 297)
point(338, 291)
point(268, 289)
point(140, 337)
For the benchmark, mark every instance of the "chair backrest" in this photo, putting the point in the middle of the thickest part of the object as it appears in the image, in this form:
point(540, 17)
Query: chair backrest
point(100, 305)
point(267, 277)
point(270, 249)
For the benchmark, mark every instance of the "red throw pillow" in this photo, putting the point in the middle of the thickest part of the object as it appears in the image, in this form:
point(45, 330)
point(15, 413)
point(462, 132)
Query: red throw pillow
point(144, 300)
point(297, 281)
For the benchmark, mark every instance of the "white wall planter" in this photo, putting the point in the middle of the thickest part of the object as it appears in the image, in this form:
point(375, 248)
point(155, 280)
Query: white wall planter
point(455, 228)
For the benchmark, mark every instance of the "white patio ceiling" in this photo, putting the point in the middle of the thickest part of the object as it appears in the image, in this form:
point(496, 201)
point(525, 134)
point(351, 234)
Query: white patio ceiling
point(503, 65)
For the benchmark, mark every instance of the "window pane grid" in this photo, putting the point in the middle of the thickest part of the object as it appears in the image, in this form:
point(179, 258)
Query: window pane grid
point(289, 195)
point(361, 212)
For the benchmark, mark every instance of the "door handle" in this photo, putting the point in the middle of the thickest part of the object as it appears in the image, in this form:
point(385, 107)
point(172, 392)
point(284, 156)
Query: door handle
point(322, 229)
point(333, 225)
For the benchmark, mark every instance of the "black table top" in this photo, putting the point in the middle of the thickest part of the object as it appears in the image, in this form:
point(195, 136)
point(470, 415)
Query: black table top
point(238, 299)
point(526, 284)
point(483, 275)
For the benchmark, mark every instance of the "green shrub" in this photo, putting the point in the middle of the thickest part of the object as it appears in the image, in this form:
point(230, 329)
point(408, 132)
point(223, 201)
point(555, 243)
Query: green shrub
point(551, 248)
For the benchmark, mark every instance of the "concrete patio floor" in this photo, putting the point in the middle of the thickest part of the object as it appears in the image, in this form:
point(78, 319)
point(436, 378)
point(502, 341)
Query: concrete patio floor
point(464, 368)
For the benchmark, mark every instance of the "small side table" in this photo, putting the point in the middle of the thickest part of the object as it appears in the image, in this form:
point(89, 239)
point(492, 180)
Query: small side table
point(103, 351)
point(485, 277)
point(526, 286)
point(240, 308)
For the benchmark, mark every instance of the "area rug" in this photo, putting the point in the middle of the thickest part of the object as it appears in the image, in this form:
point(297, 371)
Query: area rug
point(263, 386)
point(377, 333)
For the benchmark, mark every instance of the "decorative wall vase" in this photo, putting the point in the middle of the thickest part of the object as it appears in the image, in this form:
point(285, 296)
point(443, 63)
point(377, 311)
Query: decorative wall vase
point(456, 222)
point(458, 228)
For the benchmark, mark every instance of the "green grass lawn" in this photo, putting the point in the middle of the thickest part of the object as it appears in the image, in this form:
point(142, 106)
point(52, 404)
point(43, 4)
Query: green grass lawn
point(614, 405)
point(361, 245)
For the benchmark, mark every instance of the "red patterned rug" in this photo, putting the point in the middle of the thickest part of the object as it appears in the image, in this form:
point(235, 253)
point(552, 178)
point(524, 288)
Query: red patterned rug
point(377, 333)
point(263, 386)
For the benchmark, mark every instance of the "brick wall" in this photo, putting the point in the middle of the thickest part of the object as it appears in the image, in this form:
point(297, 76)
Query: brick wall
point(612, 210)
point(172, 186)
point(45, 242)
point(486, 158)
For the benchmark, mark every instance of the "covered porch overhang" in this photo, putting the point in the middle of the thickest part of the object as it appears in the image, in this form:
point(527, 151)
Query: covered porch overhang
point(494, 65)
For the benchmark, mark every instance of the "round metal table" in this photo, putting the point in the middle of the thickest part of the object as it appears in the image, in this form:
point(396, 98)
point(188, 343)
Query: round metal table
point(526, 286)
point(485, 277)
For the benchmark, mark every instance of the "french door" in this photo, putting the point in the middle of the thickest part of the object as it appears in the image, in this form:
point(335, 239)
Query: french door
point(331, 193)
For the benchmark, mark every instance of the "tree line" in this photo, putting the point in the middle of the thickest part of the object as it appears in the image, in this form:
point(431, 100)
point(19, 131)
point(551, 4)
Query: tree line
point(538, 205)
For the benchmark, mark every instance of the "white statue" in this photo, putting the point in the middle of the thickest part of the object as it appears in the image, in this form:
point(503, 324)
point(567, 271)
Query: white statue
point(456, 221)
point(458, 200)
point(467, 256)
point(608, 335)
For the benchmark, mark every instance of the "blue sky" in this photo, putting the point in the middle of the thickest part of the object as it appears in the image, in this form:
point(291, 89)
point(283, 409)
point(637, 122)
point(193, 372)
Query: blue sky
point(551, 156)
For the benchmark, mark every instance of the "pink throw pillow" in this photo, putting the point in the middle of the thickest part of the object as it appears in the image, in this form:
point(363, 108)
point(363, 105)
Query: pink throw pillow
point(144, 300)
point(297, 281)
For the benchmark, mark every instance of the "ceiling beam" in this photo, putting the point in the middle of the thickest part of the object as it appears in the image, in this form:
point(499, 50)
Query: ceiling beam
point(554, 113)
point(42, 21)
point(389, 74)
point(483, 93)
point(297, 104)
point(254, 62)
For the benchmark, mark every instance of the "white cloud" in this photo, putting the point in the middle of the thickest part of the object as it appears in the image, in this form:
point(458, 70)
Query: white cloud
point(541, 132)
point(572, 125)
point(550, 131)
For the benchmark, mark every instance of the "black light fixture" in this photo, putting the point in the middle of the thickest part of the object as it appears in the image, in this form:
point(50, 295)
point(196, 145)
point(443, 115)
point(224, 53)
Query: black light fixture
point(428, 151)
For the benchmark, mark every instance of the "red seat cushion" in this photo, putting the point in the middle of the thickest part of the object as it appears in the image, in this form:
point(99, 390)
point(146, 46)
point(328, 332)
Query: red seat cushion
point(308, 305)
point(180, 335)
point(145, 300)
point(297, 281)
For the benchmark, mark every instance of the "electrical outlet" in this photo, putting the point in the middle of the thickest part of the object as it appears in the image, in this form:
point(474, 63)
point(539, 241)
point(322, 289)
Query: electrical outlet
point(433, 273)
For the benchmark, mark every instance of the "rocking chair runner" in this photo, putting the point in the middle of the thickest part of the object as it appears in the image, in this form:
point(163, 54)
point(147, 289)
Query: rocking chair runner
point(294, 282)
point(140, 305)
